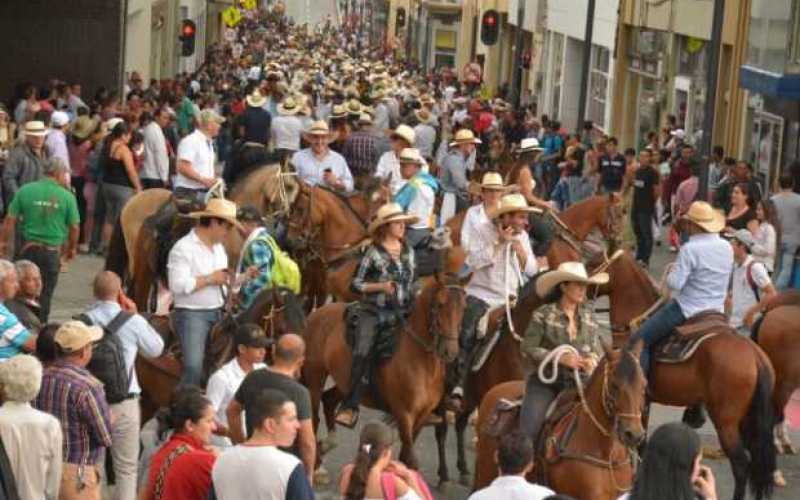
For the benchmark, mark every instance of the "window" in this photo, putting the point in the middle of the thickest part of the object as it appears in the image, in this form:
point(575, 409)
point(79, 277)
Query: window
point(598, 86)
point(556, 75)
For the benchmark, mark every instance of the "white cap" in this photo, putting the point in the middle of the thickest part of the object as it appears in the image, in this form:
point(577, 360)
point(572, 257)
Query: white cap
point(59, 119)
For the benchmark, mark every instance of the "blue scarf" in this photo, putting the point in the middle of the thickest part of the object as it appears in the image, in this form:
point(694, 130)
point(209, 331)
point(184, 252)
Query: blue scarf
point(407, 193)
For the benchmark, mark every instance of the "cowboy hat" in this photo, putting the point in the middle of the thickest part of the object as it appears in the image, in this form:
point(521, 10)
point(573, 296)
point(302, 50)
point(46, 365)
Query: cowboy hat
point(491, 181)
point(404, 132)
point(35, 128)
point(704, 215)
point(424, 116)
point(288, 106)
point(338, 111)
point(513, 202)
point(319, 129)
point(256, 100)
point(218, 208)
point(528, 145)
point(567, 272)
point(353, 107)
point(465, 136)
point(410, 155)
point(365, 119)
point(84, 127)
point(390, 212)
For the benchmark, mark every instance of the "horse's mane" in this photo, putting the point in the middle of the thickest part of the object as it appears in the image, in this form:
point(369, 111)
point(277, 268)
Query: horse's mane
point(342, 200)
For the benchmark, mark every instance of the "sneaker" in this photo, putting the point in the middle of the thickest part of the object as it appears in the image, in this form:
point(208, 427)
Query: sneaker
point(83, 248)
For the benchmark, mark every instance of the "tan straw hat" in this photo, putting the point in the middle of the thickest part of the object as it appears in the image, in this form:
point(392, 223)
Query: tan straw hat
point(513, 202)
point(423, 115)
point(36, 128)
point(338, 111)
point(704, 215)
point(529, 144)
point(411, 155)
point(465, 136)
point(354, 107)
point(492, 181)
point(255, 99)
point(567, 272)
point(390, 212)
point(404, 132)
point(288, 106)
point(218, 208)
point(75, 335)
point(84, 126)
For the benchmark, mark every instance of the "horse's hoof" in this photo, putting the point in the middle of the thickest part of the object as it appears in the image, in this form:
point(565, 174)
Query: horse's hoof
point(321, 477)
point(328, 444)
point(443, 484)
point(713, 453)
point(778, 479)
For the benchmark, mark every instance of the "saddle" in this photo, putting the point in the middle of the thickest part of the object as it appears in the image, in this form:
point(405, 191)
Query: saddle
point(689, 336)
point(490, 327)
point(385, 338)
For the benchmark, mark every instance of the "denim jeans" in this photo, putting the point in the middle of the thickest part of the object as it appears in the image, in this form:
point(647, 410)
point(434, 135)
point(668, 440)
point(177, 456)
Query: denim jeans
point(784, 271)
point(657, 327)
point(192, 327)
point(642, 223)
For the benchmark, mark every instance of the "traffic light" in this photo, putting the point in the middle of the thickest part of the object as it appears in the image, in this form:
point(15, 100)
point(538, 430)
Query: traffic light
point(490, 27)
point(188, 31)
point(401, 17)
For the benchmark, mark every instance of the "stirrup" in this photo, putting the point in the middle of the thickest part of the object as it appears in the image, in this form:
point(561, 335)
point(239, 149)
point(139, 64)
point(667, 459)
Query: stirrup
point(342, 414)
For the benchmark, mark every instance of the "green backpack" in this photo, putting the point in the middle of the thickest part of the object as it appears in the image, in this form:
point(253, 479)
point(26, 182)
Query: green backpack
point(285, 271)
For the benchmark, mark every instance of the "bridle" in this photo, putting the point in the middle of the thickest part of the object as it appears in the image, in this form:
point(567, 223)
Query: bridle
point(437, 334)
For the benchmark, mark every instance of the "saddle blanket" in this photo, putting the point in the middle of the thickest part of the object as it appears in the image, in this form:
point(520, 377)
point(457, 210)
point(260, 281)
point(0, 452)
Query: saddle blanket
point(687, 338)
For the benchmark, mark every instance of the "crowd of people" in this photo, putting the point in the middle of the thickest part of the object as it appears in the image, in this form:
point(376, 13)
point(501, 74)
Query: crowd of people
point(70, 164)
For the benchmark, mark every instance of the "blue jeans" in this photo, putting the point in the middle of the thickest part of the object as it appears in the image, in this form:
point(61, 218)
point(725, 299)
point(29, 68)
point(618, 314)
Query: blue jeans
point(657, 327)
point(784, 271)
point(642, 223)
point(192, 327)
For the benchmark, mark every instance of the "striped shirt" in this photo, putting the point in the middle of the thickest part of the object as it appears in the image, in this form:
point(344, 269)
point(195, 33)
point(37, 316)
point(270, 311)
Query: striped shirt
point(76, 398)
point(13, 334)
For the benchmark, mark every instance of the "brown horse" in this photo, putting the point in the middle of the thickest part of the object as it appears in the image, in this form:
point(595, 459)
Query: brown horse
point(728, 373)
point(276, 310)
point(424, 345)
point(594, 463)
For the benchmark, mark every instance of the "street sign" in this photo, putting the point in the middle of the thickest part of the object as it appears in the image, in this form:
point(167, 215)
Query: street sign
point(231, 16)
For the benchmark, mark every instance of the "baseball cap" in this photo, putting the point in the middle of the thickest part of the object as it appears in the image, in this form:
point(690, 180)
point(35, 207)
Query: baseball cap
point(679, 133)
point(75, 335)
point(251, 335)
point(59, 119)
point(743, 236)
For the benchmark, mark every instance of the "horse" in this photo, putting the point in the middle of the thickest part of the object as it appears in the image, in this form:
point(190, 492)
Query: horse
point(728, 373)
point(591, 460)
point(424, 344)
point(275, 310)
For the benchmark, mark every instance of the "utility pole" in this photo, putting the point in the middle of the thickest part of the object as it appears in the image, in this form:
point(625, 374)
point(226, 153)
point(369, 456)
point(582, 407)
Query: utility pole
point(712, 78)
point(587, 56)
point(516, 82)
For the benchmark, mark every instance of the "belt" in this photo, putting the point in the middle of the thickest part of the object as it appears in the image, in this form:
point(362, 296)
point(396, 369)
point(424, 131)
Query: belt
point(182, 189)
point(35, 244)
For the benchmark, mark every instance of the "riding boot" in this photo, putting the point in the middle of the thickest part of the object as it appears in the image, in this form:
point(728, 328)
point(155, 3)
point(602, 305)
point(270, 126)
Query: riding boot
point(695, 416)
point(473, 312)
point(365, 338)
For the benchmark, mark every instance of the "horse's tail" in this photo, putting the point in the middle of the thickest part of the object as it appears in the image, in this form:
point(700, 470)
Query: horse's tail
point(757, 438)
point(117, 256)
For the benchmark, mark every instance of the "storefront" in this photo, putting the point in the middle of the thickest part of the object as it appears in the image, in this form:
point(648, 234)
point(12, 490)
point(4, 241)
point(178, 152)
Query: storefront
point(645, 78)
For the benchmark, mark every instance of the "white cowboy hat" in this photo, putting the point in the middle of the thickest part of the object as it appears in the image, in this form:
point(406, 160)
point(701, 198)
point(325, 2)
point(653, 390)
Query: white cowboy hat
point(288, 107)
point(567, 272)
point(492, 181)
point(529, 144)
point(365, 119)
point(424, 116)
point(465, 136)
point(390, 212)
point(704, 215)
point(218, 208)
point(411, 155)
point(513, 202)
point(35, 128)
point(256, 100)
point(404, 132)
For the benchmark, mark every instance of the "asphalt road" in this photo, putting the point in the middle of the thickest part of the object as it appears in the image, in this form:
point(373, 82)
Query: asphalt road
point(74, 293)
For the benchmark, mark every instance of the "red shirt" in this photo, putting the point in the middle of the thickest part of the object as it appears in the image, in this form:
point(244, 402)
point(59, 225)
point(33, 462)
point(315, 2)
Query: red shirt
point(189, 475)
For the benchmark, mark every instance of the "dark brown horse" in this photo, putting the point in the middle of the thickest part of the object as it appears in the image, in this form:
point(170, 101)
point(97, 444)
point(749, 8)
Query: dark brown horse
point(424, 345)
point(276, 310)
point(595, 462)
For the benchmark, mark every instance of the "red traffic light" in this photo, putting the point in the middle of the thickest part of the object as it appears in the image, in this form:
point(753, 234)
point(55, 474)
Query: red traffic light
point(188, 30)
point(490, 20)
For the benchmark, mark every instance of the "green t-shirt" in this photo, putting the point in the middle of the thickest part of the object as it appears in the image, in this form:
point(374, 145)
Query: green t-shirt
point(47, 211)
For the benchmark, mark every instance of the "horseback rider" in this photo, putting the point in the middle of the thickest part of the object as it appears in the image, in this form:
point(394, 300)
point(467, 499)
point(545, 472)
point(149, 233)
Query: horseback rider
point(540, 232)
point(454, 172)
point(492, 189)
point(499, 255)
point(318, 164)
point(563, 320)
point(253, 133)
point(417, 196)
point(699, 277)
point(196, 159)
point(255, 260)
point(383, 279)
point(388, 167)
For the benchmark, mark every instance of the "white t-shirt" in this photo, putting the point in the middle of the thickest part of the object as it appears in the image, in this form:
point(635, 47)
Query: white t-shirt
point(389, 168)
point(197, 149)
point(259, 473)
point(189, 259)
point(222, 387)
point(742, 293)
point(512, 488)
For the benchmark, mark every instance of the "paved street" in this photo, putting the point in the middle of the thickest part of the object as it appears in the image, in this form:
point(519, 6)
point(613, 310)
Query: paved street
point(74, 291)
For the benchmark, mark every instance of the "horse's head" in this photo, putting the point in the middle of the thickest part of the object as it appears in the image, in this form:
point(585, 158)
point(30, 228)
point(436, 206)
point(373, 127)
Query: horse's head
point(301, 216)
point(624, 387)
point(611, 219)
point(377, 193)
point(286, 315)
point(447, 308)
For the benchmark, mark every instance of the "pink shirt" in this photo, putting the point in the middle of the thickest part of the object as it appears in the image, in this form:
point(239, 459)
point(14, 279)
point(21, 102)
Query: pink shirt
point(79, 157)
point(685, 194)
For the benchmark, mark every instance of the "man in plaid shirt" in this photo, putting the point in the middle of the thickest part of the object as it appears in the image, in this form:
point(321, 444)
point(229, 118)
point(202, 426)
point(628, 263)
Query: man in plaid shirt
point(362, 150)
point(254, 270)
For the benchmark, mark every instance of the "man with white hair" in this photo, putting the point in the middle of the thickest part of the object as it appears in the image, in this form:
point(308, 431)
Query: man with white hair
point(14, 337)
point(32, 438)
point(196, 158)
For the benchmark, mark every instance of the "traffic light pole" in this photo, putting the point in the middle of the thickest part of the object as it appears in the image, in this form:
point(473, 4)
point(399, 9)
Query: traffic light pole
point(587, 56)
point(516, 85)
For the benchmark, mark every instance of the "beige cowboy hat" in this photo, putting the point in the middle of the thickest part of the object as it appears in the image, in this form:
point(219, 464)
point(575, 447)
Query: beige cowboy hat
point(218, 208)
point(465, 136)
point(390, 212)
point(404, 132)
point(84, 126)
point(256, 100)
point(567, 272)
point(338, 111)
point(704, 215)
point(491, 181)
point(528, 145)
point(353, 107)
point(411, 155)
point(318, 129)
point(365, 119)
point(424, 116)
point(288, 107)
point(35, 128)
point(513, 202)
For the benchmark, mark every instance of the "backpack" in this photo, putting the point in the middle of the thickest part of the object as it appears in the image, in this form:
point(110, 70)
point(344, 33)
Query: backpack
point(285, 271)
point(108, 362)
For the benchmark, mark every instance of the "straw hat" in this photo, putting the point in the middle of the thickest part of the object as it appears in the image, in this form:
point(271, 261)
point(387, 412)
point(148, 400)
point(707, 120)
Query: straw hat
point(353, 107)
point(410, 155)
point(218, 208)
point(528, 145)
point(75, 335)
point(567, 272)
point(84, 127)
point(390, 212)
point(465, 136)
point(423, 115)
point(365, 119)
point(704, 215)
point(338, 111)
point(256, 100)
point(36, 128)
point(404, 132)
point(513, 202)
point(492, 181)
point(288, 106)
point(318, 129)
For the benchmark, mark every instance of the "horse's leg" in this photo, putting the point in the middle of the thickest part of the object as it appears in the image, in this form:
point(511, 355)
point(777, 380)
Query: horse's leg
point(405, 428)
point(441, 444)
point(462, 420)
point(731, 442)
point(330, 400)
point(783, 392)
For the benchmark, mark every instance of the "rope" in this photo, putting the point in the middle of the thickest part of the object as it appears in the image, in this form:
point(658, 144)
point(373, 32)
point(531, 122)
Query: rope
point(217, 190)
point(508, 305)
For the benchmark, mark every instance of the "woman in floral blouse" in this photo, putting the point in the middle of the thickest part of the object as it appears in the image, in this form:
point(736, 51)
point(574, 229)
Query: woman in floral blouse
point(383, 279)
